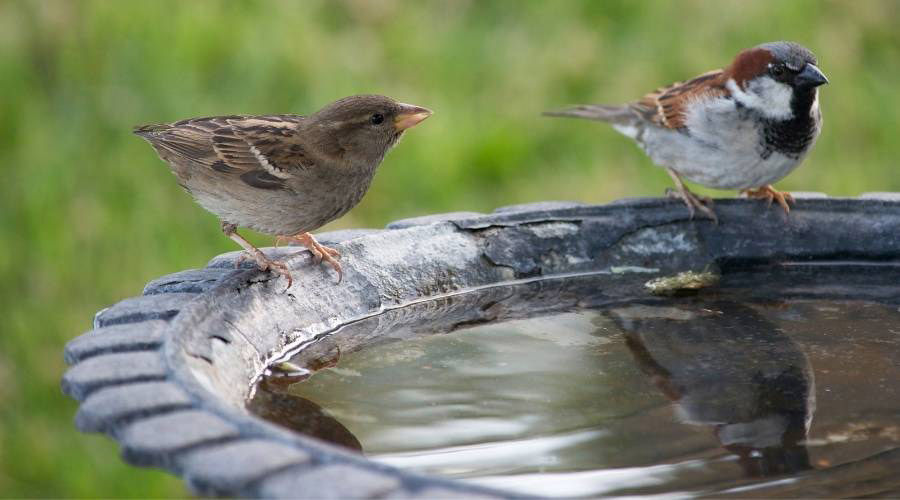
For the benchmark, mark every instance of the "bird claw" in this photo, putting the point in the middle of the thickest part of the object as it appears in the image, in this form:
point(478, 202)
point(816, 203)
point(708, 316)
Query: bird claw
point(694, 202)
point(330, 255)
point(266, 264)
point(319, 252)
point(771, 194)
point(282, 269)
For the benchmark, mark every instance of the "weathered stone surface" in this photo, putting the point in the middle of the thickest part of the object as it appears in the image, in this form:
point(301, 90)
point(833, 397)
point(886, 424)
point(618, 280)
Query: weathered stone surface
point(111, 369)
point(107, 407)
point(540, 206)
point(431, 219)
point(330, 238)
point(808, 195)
point(344, 235)
point(884, 196)
point(190, 281)
point(227, 260)
point(227, 469)
point(147, 335)
point(156, 440)
point(336, 481)
point(144, 308)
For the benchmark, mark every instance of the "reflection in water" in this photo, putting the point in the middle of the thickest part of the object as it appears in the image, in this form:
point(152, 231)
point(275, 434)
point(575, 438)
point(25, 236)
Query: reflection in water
point(724, 366)
point(544, 390)
point(301, 415)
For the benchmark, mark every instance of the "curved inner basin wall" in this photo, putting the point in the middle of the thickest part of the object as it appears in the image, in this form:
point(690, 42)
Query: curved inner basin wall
point(602, 394)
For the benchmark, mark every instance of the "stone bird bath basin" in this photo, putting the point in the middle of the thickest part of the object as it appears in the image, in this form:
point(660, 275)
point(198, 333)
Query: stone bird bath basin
point(167, 374)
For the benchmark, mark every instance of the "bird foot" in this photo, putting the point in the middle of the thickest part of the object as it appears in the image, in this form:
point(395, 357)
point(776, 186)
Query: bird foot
point(319, 251)
point(771, 194)
point(266, 264)
point(694, 202)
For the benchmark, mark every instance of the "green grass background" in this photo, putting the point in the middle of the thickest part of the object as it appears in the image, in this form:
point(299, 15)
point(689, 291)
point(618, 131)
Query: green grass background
point(88, 213)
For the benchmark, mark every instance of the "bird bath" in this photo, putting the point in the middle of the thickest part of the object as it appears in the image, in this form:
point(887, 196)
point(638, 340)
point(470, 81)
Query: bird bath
point(521, 353)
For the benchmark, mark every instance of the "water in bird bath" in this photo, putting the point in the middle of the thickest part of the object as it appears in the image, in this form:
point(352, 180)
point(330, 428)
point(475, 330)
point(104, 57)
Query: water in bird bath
point(698, 394)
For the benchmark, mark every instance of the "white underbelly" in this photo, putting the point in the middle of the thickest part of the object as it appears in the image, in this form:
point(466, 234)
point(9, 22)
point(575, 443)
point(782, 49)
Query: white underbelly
point(719, 153)
point(727, 169)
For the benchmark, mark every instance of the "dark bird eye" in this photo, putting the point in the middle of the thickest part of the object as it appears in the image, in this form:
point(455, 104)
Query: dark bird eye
point(778, 69)
point(377, 118)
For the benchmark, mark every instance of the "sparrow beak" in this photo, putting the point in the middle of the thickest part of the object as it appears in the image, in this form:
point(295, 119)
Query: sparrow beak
point(410, 116)
point(810, 77)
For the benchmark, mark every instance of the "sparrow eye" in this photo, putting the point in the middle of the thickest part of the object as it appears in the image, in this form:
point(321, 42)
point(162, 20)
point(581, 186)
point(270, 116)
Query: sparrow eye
point(777, 69)
point(377, 119)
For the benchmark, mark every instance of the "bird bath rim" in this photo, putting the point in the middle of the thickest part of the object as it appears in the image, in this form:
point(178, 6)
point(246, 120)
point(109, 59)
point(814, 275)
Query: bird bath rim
point(166, 374)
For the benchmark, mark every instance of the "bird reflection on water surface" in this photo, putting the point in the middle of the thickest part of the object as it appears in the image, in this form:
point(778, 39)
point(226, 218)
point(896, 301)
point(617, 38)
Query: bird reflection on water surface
point(724, 366)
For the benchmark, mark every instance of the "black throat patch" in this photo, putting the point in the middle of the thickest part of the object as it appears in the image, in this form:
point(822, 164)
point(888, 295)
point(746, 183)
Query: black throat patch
point(792, 137)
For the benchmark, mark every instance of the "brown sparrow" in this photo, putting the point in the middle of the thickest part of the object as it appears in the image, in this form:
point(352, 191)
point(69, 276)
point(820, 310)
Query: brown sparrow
point(744, 127)
point(283, 175)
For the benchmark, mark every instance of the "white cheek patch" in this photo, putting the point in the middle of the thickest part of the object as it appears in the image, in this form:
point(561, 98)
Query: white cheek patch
point(261, 158)
point(765, 95)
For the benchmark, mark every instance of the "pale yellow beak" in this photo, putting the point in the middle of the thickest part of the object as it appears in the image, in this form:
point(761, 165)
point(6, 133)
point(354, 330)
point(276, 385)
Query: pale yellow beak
point(410, 116)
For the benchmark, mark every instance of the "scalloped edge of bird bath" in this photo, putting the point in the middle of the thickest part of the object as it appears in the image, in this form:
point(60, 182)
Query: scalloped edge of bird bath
point(166, 374)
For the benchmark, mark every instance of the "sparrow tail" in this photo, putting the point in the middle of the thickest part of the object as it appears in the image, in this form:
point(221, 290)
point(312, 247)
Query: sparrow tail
point(621, 115)
point(149, 130)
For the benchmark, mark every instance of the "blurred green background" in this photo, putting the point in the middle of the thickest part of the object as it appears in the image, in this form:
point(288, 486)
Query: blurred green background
point(89, 213)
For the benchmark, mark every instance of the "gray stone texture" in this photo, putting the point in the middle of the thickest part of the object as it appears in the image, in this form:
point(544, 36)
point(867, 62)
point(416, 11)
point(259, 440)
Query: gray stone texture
point(230, 467)
point(190, 281)
point(112, 369)
point(137, 309)
point(108, 407)
point(143, 336)
point(336, 482)
point(157, 439)
point(431, 219)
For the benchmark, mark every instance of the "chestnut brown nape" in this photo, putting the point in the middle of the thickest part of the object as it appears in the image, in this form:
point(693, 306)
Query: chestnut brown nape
point(753, 62)
point(749, 64)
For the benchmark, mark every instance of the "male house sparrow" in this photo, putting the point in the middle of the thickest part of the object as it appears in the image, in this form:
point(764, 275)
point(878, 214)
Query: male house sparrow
point(283, 175)
point(743, 127)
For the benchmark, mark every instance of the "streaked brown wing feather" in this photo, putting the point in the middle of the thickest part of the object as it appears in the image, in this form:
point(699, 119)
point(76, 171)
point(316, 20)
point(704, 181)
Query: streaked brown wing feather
point(667, 106)
point(188, 139)
point(262, 151)
point(271, 142)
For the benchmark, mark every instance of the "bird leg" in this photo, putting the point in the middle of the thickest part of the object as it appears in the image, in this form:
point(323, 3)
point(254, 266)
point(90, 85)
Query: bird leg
point(690, 199)
point(320, 252)
point(264, 263)
point(769, 193)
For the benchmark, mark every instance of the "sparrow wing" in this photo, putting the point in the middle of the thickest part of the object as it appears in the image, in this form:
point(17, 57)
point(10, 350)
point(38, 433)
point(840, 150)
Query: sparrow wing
point(263, 151)
point(186, 139)
point(667, 107)
point(266, 150)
